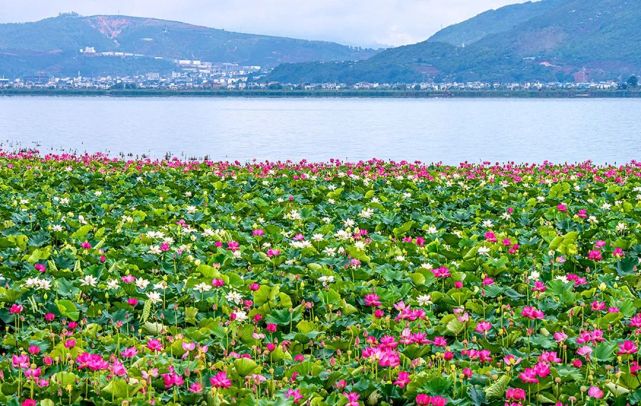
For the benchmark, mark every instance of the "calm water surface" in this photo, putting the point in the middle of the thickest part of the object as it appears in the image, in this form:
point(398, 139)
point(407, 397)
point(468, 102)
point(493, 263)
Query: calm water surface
point(447, 130)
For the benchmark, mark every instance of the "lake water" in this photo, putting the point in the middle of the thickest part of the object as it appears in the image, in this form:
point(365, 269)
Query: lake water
point(430, 130)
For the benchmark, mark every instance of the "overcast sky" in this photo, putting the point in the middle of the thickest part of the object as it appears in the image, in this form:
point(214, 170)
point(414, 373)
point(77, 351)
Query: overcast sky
point(355, 22)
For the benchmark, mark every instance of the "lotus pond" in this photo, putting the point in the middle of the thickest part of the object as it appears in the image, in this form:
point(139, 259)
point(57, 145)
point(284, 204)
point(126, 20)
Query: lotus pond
point(266, 283)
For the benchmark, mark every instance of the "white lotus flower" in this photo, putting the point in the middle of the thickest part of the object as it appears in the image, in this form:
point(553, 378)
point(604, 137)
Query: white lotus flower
point(89, 280)
point(154, 297)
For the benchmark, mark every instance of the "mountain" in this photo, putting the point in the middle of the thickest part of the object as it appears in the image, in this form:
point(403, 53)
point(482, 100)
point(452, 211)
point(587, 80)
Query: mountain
point(550, 40)
point(52, 46)
point(492, 22)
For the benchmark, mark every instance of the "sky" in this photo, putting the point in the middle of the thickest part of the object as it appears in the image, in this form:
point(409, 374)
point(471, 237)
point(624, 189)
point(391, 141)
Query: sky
point(354, 22)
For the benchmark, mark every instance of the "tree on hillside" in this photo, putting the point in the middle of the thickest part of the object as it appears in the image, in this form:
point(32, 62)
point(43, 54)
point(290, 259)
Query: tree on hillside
point(633, 81)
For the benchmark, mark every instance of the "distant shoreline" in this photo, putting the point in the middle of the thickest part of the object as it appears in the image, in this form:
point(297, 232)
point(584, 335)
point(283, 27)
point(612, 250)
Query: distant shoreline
point(348, 93)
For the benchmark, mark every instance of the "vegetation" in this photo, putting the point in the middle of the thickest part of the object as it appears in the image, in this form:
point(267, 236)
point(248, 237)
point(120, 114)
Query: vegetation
point(209, 283)
point(552, 40)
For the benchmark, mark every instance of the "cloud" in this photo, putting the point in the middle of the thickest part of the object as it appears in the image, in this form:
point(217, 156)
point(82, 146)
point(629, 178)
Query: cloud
point(355, 22)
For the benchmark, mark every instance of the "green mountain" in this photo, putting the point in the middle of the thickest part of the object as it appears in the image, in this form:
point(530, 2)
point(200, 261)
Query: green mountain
point(52, 46)
point(550, 40)
point(492, 22)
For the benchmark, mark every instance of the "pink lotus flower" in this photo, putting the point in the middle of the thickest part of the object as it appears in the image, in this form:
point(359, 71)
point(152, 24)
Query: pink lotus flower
point(217, 283)
point(188, 346)
point(627, 347)
point(483, 327)
point(490, 236)
point(172, 379)
point(273, 252)
point(562, 207)
point(128, 279)
point(195, 387)
point(595, 392)
point(117, 368)
point(93, 362)
point(154, 345)
point(294, 394)
point(529, 375)
point(40, 267)
point(439, 341)
point(129, 352)
point(595, 255)
point(16, 309)
point(618, 252)
point(441, 272)
point(511, 360)
point(467, 373)
point(532, 313)
point(515, 394)
point(271, 327)
point(220, 380)
point(372, 300)
point(539, 287)
point(635, 321)
point(352, 398)
point(85, 245)
point(402, 380)
point(20, 361)
point(550, 356)
point(426, 400)
point(584, 351)
point(542, 369)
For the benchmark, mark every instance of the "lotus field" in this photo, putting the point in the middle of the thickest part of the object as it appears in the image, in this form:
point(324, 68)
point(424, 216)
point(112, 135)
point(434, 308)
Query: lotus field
point(373, 283)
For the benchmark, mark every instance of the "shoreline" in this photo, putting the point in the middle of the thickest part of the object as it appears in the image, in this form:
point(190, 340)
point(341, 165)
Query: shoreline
point(399, 94)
